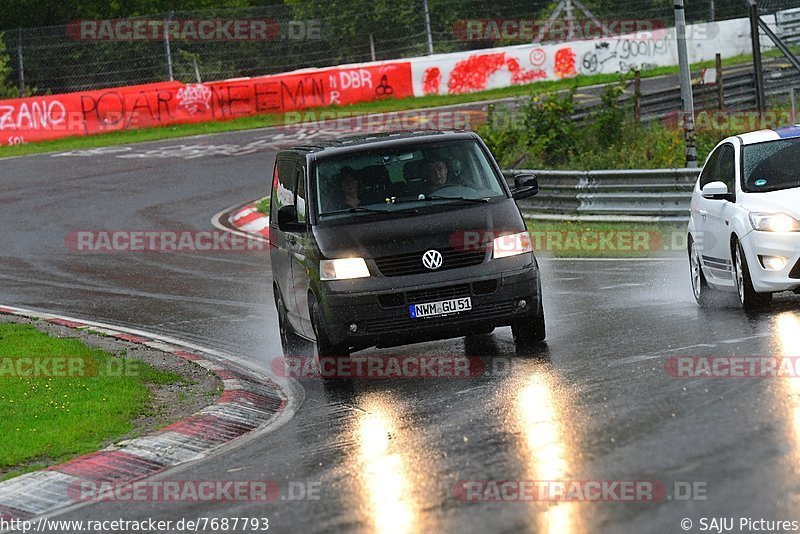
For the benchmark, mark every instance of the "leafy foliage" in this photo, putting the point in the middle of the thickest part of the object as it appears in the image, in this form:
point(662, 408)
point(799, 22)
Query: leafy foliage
point(541, 131)
point(7, 88)
point(543, 134)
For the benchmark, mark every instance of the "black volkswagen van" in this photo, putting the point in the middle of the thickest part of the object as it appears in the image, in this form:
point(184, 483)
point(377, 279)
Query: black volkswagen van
point(395, 238)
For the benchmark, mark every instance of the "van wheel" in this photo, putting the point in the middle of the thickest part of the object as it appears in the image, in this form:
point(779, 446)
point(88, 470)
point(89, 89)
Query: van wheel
point(531, 329)
point(749, 299)
point(325, 348)
point(289, 340)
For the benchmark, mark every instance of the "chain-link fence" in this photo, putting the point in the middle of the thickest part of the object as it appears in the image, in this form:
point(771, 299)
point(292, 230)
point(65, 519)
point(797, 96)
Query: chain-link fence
point(205, 45)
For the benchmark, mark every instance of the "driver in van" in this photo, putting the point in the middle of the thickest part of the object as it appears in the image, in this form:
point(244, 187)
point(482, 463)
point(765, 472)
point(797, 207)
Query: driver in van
point(436, 173)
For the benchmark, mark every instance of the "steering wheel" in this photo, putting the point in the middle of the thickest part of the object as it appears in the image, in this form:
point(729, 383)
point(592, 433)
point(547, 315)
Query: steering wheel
point(451, 190)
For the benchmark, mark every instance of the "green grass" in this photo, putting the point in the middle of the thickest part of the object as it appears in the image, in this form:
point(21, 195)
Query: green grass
point(392, 105)
point(49, 420)
point(262, 206)
point(566, 239)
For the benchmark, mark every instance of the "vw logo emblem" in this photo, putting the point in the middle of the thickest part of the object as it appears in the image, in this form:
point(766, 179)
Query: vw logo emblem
point(432, 259)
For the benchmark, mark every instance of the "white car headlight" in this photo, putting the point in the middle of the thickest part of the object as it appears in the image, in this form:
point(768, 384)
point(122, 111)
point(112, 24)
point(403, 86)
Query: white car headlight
point(511, 245)
point(774, 222)
point(343, 269)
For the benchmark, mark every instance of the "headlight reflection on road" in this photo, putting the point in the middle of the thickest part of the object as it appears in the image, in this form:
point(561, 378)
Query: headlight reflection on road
point(388, 490)
point(787, 327)
point(544, 438)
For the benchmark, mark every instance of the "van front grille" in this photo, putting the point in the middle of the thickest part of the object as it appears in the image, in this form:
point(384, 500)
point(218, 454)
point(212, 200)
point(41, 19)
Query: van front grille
point(438, 293)
point(433, 294)
point(411, 263)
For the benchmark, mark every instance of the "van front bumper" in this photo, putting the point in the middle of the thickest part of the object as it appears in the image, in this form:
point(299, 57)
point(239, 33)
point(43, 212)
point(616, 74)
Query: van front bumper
point(380, 316)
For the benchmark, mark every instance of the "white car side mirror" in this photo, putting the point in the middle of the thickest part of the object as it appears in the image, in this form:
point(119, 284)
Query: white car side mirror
point(715, 191)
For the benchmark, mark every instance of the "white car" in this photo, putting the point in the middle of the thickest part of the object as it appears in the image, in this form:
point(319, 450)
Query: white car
point(744, 232)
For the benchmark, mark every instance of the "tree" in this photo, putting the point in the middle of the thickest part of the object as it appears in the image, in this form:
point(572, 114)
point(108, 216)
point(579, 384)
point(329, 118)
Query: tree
point(395, 25)
point(7, 88)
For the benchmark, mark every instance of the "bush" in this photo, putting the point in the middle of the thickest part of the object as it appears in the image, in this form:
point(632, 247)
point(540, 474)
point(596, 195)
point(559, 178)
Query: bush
point(7, 88)
point(542, 134)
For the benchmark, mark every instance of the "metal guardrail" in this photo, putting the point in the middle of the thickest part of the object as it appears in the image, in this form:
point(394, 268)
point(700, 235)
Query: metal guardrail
point(788, 25)
point(659, 194)
point(739, 93)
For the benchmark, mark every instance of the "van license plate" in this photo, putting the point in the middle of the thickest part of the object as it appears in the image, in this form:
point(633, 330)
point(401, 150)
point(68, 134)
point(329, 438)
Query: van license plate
point(442, 307)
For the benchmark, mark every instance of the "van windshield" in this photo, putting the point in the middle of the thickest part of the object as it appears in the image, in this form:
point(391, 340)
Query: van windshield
point(395, 180)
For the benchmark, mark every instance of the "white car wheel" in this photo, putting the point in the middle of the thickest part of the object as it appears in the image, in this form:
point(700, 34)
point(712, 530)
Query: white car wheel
point(748, 298)
point(700, 286)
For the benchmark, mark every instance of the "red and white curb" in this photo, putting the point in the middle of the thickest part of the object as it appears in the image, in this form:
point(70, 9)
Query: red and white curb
point(244, 407)
point(250, 221)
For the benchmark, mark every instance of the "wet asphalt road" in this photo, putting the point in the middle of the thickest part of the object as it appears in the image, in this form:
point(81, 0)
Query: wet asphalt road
point(594, 404)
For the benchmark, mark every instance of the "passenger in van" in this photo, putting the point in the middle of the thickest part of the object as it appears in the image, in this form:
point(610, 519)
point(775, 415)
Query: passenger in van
point(348, 195)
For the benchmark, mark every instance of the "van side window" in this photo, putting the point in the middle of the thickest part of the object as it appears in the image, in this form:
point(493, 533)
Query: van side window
point(300, 197)
point(283, 186)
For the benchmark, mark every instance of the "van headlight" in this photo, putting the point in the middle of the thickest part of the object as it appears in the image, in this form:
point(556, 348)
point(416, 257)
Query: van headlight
point(774, 222)
point(511, 245)
point(343, 269)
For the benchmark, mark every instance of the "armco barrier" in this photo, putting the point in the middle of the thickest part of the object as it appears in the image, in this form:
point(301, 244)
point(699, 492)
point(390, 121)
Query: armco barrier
point(662, 194)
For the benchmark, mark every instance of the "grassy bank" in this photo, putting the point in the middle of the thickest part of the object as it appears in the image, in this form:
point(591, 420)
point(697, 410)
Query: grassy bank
point(81, 398)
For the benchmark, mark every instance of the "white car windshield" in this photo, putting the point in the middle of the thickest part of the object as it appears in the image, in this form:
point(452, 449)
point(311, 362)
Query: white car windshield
point(396, 180)
point(771, 166)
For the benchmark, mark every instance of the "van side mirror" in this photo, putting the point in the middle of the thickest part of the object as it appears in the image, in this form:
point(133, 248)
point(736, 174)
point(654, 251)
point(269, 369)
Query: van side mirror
point(525, 185)
point(287, 220)
point(716, 191)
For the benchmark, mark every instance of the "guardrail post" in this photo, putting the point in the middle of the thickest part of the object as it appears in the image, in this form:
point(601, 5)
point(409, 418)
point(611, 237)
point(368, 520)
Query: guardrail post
point(21, 64)
point(761, 99)
point(720, 82)
point(166, 46)
point(687, 97)
point(637, 97)
point(428, 32)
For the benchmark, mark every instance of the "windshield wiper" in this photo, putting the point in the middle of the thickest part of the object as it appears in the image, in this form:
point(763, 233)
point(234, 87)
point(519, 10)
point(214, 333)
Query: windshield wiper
point(438, 197)
point(462, 199)
point(361, 209)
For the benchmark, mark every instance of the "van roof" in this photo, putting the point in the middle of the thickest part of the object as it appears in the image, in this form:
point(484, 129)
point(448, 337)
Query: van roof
point(320, 145)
